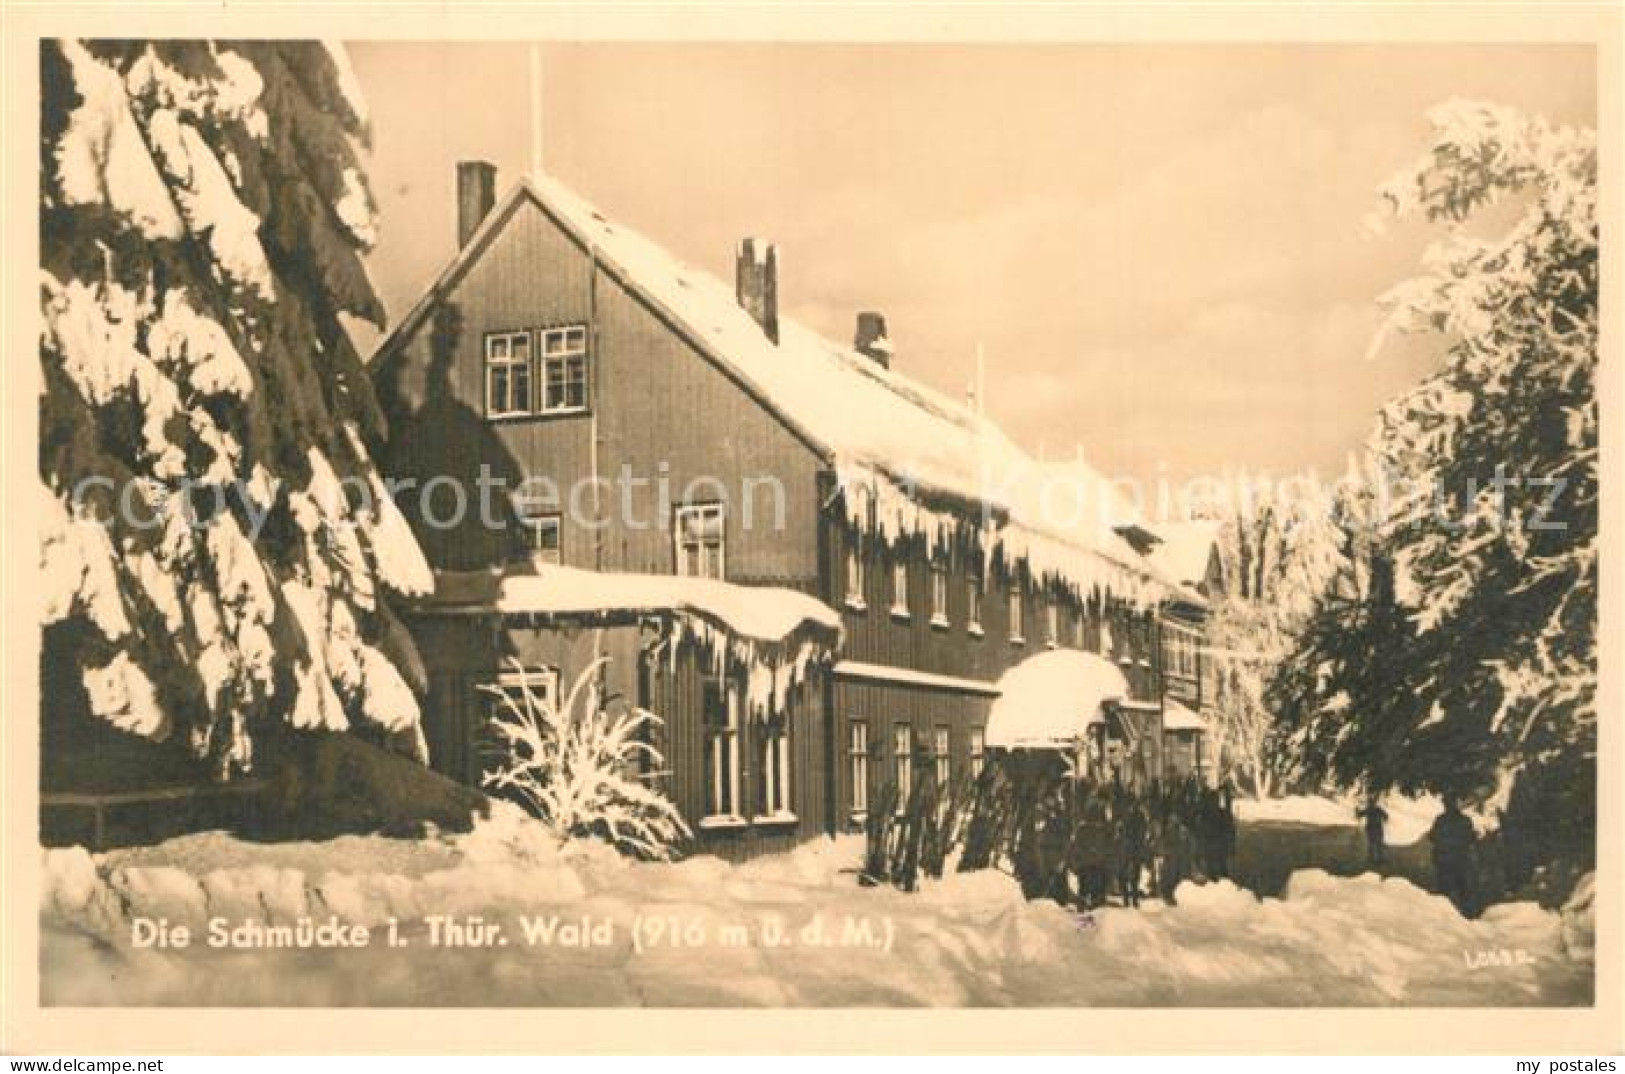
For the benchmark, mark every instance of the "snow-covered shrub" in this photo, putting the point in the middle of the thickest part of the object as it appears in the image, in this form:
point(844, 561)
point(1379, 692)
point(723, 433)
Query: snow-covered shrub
point(576, 766)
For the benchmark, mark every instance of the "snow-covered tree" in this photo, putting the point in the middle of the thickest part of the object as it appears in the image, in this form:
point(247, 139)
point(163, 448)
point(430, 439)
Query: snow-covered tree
point(1274, 562)
point(1486, 564)
point(203, 211)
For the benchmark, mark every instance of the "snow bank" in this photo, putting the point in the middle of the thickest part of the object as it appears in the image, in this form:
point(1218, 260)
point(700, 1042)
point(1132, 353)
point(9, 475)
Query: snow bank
point(811, 936)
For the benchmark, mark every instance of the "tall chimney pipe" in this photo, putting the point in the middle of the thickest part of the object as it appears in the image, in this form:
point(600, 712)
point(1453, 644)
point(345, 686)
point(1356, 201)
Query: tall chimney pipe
point(756, 283)
point(476, 194)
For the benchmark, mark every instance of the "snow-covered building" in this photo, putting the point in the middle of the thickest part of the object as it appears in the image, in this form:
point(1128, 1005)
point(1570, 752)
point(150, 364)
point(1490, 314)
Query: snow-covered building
point(1189, 552)
point(835, 563)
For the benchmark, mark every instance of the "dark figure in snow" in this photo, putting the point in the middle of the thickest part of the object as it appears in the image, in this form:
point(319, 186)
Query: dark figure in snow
point(1215, 833)
point(1177, 852)
point(1091, 854)
point(1133, 847)
point(1376, 819)
point(1452, 839)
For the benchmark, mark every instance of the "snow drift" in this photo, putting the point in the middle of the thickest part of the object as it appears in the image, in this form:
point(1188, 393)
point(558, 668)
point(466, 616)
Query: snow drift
point(969, 939)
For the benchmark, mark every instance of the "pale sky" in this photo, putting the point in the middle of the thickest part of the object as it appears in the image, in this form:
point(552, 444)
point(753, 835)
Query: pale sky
point(1161, 248)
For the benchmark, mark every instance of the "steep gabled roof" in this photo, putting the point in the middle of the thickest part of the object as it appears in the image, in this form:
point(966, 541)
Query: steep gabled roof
point(866, 421)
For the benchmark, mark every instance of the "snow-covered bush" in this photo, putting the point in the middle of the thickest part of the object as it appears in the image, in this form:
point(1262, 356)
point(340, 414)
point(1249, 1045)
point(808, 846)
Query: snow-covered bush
point(583, 768)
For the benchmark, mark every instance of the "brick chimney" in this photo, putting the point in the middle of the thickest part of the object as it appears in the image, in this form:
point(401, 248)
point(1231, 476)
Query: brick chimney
point(476, 194)
point(871, 340)
point(756, 283)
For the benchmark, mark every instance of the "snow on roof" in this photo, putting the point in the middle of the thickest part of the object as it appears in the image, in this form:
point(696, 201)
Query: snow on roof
point(759, 613)
point(1186, 548)
point(1050, 700)
point(894, 442)
point(1176, 717)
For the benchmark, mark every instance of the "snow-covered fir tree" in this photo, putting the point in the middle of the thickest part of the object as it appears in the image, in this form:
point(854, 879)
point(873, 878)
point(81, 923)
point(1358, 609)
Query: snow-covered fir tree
point(202, 219)
point(1467, 662)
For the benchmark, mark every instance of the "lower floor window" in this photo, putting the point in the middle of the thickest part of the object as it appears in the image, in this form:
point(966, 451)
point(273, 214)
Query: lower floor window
point(773, 768)
point(903, 764)
point(941, 757)
point(721, 750)
point(539, 684)
point(978, 748)
point(857, 752)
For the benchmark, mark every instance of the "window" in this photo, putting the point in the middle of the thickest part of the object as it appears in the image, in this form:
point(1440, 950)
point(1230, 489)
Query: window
point(1105, 635)
point(854, 576)
point(978, 749)
point(973, 603)
point(564, 369)
point(1016, 611)
point(773, 768)
point(699, 540)
point(542, 682)
point(1052, 623)
point(899, 588)
point(902, 747)
point(857, 753)
point(1181, 651)
point(941, 757)
point(544, 531)
point(721, 751)
point(507, 374)
point(1080, 623)
point(939, 594)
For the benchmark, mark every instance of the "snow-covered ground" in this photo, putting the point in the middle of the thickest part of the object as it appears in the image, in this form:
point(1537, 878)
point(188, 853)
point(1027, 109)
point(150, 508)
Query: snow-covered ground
point(794, 929)
point(1408, 818)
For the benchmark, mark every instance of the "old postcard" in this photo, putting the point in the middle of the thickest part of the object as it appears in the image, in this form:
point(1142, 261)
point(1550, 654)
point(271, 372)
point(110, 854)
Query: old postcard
point(801, 511)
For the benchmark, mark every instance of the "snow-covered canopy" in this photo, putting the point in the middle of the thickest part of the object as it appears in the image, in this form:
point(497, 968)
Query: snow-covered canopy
point(769, 635)
point(760, 613)
point(1177, 717)
point(912, 460)
point(1049, 700)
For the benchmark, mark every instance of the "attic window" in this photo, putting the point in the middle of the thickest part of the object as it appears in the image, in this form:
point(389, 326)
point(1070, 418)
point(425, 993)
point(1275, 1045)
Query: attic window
point(564, 369)
point(507, 374)
point(513, 368)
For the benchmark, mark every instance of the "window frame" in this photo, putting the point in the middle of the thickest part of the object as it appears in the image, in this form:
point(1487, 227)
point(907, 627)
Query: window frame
point(902, 744)
point(1052, 622)
point(773, 771)
point(541, 377)
point(508, 363)
point(977, 749)
point(1016, 607)
point(856, 576)
point(534, 523)
point(939, 594)
point(719, 813)
point(942, 755)
point(511, 683)
point(679, 536)
point(975, 593)
point(858, 756)
point(899, 588)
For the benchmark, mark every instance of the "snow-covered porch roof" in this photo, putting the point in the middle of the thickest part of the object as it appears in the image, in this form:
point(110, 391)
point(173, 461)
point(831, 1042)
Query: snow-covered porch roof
point(1176, 717)
point(1049, 701)
point(756, 613)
